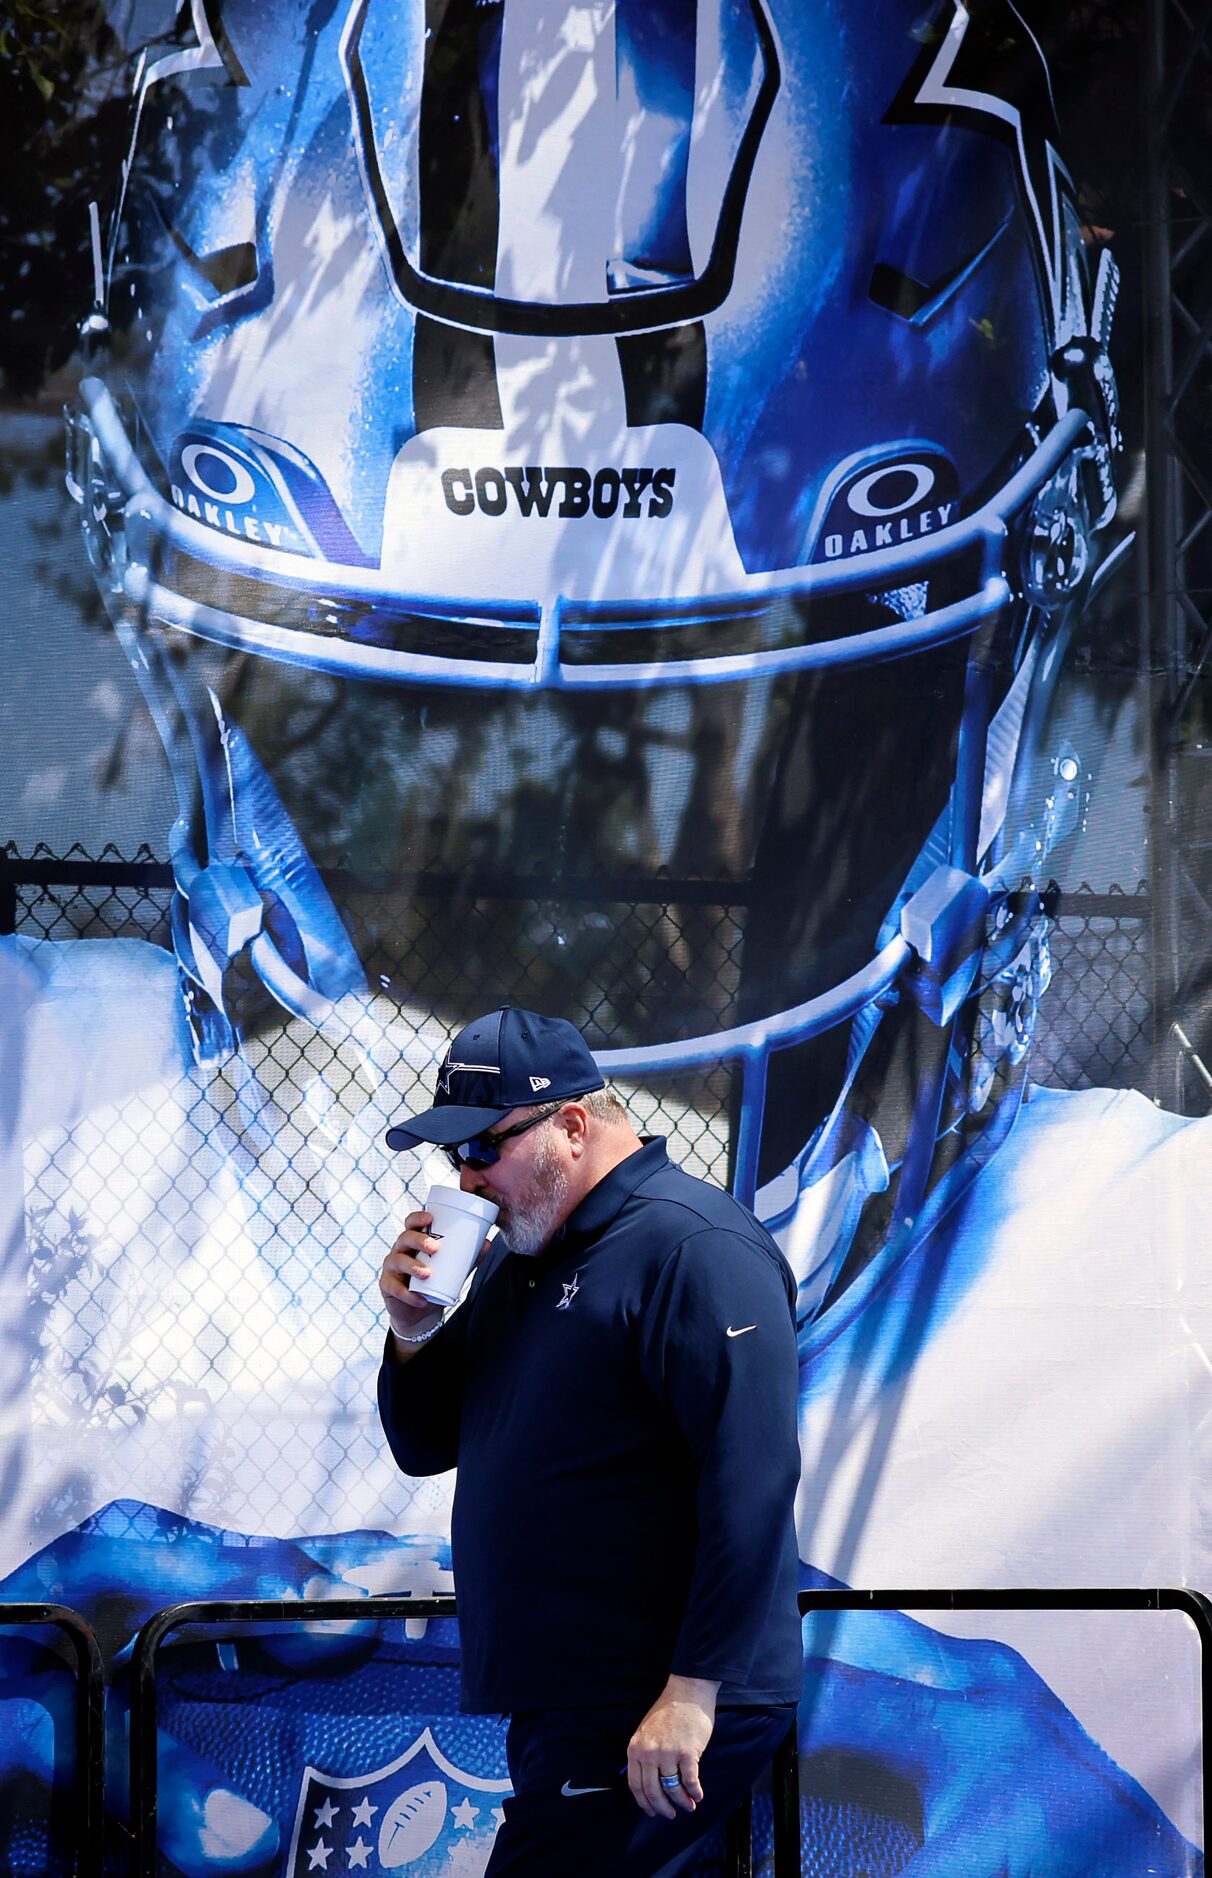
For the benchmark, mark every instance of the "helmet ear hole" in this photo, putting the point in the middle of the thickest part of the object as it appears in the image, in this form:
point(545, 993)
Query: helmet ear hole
point(1057, 552)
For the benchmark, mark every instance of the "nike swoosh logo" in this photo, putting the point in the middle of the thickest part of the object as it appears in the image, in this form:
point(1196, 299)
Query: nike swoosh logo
point(730, 1332)
point(570, 1793)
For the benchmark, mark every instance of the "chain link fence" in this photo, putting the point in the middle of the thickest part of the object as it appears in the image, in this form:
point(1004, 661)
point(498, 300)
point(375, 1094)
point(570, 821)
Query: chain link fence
point(172, 1224)
point(1096, 1027)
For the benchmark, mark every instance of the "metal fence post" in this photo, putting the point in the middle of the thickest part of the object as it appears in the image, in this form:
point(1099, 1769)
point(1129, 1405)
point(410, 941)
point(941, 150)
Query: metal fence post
point(90, 1723)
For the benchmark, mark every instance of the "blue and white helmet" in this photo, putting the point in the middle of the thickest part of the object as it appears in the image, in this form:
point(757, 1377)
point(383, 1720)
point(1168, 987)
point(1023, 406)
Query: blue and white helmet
point(552, 395)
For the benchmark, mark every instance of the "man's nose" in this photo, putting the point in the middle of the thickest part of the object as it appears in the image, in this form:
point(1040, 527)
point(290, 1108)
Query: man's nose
point(471, 1179)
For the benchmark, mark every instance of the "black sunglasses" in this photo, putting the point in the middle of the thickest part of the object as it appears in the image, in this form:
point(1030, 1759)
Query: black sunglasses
point(482, 1150)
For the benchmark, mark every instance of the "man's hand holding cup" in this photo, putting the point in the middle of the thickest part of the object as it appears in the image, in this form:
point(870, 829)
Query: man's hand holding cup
point(429, 1264)
point(409, 1258)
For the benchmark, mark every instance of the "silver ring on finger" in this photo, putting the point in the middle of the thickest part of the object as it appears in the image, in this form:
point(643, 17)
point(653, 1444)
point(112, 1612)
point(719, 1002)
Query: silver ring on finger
point(669, 1781)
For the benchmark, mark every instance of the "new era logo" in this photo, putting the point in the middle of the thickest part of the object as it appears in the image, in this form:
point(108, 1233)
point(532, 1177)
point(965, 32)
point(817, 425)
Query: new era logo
point(540, 1082)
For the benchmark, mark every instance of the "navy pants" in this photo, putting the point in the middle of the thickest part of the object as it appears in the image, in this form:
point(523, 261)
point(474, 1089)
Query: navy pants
point(558, 1826)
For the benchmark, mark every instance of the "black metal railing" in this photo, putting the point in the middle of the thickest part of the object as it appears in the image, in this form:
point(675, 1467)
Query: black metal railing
point(228, 1612)
point(89, 1808)
point(88, 1811)
point(785, 1793)
point(1192, 1604)
point(144, 1805)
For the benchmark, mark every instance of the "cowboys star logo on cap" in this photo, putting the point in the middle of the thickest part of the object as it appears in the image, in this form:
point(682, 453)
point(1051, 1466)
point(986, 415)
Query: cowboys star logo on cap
point(498, 1063)
point(451, 1068)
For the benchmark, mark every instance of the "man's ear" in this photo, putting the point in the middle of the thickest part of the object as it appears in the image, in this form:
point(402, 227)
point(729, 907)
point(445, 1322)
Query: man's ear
point(574, 1120)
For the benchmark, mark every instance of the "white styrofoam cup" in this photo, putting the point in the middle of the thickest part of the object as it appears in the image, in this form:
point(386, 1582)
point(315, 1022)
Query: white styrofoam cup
point(460, 1222)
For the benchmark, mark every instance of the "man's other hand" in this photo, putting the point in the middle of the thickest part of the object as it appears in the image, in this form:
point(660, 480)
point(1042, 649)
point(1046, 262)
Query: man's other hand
point(671, 1739)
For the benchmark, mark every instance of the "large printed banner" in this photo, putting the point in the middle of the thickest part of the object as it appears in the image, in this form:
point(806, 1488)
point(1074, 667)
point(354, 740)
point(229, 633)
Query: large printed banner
point(624, 507)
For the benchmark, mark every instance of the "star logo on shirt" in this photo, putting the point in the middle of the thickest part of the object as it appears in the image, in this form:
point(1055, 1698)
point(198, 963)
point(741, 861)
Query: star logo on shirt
point(570, 1292)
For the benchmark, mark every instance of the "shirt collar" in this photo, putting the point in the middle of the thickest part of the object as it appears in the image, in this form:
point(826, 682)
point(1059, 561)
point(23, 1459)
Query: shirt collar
point(603, 1202)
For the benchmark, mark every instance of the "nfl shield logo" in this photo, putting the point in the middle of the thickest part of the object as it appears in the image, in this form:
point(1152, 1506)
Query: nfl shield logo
point(421, 1816)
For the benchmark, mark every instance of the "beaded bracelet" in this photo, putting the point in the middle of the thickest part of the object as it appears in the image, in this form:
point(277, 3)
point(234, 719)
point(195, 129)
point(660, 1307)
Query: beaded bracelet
point(425, 1334)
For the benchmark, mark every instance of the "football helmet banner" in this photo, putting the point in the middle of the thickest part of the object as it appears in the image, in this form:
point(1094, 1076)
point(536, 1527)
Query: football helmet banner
point(610, 507)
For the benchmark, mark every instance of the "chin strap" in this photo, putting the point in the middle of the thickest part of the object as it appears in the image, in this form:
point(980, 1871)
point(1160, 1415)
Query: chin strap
point(259, 894)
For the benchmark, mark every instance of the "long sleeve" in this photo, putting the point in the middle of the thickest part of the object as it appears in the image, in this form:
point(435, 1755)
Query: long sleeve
point(720, 1352)
point(421, 1402)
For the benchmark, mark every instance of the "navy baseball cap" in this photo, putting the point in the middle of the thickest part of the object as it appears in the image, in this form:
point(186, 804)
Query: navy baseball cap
point(507, 1060)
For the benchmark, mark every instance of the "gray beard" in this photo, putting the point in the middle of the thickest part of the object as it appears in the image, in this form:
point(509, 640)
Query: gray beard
point(529, 1223)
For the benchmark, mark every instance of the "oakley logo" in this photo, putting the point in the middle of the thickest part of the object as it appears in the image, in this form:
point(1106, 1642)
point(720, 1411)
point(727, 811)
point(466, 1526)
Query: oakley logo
point(540, 1082)
point(913, 492)
point(252, 527)
point(570, 1793)
point(217, 473)
point(730, 1332)
point(891, 489)
point(886, 535)
point(531, 491)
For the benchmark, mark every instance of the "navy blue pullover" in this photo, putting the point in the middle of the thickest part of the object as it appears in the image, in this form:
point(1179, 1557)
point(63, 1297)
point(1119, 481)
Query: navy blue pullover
point(622, 1410)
